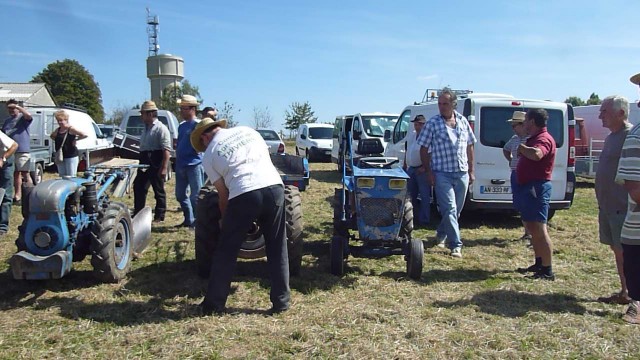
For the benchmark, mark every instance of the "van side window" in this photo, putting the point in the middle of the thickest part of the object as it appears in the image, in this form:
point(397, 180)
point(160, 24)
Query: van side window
point(402, 126)
point(356, 125)
point(495, 131)
point(337, 127)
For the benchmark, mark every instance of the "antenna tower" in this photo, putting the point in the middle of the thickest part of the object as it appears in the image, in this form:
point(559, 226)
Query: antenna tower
point(152, 31)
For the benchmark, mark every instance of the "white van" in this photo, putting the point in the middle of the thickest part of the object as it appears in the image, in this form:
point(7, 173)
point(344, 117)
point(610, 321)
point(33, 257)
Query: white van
point(132, 123)
point(361, 126)
point(487, 115)
point(314, 141)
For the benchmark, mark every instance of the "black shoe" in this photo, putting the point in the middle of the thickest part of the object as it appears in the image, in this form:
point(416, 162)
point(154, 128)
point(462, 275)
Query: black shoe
point(181, 225)
point(208, 310)
point(277, 310)
point(543, 276)
point(533, 268)
point(17, 202)
point(158, 219)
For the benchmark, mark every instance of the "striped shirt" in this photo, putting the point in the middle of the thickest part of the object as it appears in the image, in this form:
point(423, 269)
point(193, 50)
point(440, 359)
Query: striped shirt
point(629, 169)
point(448, 150)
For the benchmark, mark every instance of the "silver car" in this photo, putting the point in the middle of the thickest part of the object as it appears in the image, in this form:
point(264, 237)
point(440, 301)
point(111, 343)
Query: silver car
point(273, 140)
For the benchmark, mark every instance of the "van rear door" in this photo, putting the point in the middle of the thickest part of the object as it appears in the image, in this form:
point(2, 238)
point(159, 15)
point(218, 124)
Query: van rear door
point(492, 131)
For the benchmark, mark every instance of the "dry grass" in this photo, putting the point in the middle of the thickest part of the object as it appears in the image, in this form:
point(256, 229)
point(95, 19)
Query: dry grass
point(477, 307)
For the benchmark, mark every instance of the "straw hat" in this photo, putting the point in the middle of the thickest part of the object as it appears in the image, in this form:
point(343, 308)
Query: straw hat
point(635, 79)
point(188, 100)
point(204, 125)
point(517, 117)
point(148, 106)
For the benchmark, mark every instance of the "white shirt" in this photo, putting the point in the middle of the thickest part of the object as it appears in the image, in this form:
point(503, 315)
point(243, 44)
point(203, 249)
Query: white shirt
point(412, 156)
point(241, 157)
point(5, 143)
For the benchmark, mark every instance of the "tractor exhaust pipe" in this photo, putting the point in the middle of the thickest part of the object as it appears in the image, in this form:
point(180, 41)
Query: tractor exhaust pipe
point(141, 230)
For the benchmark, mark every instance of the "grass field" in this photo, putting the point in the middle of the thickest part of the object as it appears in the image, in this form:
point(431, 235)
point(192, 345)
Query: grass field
point(475, 307)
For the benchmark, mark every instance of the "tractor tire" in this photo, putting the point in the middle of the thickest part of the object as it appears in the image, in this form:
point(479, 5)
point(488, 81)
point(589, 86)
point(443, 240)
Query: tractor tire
point(339, 226)
point(414, 259)
point(294, 226)
point(337, 255)
point(111, 243)
point(21, 244)
point(26, 191)
point(207, 229)
point(407, 220)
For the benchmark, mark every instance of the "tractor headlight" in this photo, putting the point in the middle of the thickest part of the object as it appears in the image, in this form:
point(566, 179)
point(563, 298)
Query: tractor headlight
point(397, 184)
point(365, 182)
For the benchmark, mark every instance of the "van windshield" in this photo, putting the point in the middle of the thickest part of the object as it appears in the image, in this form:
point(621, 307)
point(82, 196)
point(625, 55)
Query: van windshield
point(135, 124)
point(495, 131)
point(376, 125)
point(320, 133)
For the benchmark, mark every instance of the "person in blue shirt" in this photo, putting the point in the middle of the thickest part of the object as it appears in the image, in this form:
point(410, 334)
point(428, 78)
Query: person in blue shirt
point(189, 171)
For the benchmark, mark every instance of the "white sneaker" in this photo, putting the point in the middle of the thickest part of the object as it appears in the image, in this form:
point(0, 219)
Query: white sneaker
point(457, 252)
point(440, 242)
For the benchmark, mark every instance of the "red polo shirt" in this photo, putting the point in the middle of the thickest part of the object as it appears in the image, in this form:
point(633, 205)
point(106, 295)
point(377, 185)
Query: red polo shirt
point(530, 170)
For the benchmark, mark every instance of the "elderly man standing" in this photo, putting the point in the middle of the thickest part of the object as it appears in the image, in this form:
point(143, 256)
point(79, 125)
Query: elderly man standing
point(249, 187)
point(155, 147)
point(510, 152)
point(189, 172)
point(629, 174)
point(531, 197)
point(447, 154)
point(16, 126)
point(612, 197)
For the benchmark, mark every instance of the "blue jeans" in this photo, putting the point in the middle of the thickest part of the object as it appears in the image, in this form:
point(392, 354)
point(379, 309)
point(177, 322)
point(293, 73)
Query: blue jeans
point(191, 176)
point(6, 182)
point(451, 191)
point(419, 185)
point(69, 167)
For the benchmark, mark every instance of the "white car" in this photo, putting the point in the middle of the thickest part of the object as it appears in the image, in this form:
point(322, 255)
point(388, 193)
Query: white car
point(314, 141)
point(276, 145)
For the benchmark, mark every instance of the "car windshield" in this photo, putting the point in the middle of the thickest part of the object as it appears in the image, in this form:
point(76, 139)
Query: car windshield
point(320, 133)
point(135, 124)
point(269, 135)
point(376, 125)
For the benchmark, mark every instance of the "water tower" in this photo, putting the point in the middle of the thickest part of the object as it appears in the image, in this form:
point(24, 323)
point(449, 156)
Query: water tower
point(164, 69)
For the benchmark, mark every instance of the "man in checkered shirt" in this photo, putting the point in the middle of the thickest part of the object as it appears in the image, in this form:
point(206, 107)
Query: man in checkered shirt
point(447, 153)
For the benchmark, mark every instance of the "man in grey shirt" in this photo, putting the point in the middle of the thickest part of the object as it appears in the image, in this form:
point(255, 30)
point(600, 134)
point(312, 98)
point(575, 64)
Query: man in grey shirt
point(612, 197)
point(155, 147)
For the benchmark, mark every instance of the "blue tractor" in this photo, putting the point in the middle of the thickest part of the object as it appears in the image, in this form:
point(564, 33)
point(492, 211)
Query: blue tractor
point(373, 202)
point(67, 219)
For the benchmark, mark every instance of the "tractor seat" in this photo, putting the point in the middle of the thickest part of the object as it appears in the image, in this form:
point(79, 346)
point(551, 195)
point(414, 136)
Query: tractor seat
point(370, 147)
point(371, 157)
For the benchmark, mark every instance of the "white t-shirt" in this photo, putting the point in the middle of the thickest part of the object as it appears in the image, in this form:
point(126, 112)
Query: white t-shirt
point(412, 156)
point(5, 143)
point(241, 157)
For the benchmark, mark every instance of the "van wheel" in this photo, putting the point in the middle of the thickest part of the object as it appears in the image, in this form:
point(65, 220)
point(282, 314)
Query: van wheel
point(550, 214)
point(36, 175)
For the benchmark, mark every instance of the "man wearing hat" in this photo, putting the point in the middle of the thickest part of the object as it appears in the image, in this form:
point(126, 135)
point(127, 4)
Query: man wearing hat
point(8, 147)
point(510, 151)
point(629, 175)
point(189, 173)
point(418, 182)
point(249, 187)
point(16, 126)
point(209, 112)
point(155, 147)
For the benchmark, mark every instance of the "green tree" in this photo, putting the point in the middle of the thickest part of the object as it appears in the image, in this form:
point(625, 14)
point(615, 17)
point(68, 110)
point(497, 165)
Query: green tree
point(117, 113)
point(594, 99)
point(70, 82)
point(575, 101)
point(298, 114)
point(171, 94)
point(227, 111)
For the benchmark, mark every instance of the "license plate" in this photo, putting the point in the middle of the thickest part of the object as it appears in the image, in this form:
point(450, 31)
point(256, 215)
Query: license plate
point(495, 189)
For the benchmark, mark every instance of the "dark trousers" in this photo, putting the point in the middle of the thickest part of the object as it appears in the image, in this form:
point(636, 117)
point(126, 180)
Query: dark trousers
point(144, 178)
point(267, 206)
point(6, 182)
point(631, 265)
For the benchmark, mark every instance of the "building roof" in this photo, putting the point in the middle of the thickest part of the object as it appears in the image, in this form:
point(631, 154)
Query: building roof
point(19, 91)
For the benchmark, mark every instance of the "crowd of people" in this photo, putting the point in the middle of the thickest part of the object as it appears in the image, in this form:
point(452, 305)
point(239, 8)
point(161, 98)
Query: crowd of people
point(440, 155)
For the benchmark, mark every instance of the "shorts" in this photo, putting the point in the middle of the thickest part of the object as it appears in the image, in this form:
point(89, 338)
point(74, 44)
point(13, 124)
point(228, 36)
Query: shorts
point(610, 227)
point(631, 256)
point(22, 160)
point(532, 200)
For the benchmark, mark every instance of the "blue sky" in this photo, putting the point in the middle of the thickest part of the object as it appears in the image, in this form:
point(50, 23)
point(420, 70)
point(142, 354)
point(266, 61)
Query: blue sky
point(341, 56)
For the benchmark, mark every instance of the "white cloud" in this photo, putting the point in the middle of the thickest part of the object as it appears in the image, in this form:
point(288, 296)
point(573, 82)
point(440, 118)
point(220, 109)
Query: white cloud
point(426, 78)
point(27, 55)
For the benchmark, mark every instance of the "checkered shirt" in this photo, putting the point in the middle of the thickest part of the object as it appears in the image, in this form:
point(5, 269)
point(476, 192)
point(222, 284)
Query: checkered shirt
point(447, 156)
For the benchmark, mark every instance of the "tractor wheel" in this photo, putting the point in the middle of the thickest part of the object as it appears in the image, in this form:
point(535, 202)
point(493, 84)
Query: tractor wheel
point(111, 246)
point(339, 226)
point(407, 220)
point(21, 244)
point(37, 174)
point(26, 191)
point(414, 259)
point(294, 226)
point(337, 255)
point(207, 229)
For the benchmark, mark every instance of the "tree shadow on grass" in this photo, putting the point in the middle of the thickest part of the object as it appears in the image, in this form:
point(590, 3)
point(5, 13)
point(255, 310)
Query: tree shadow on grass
point(517, 304)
